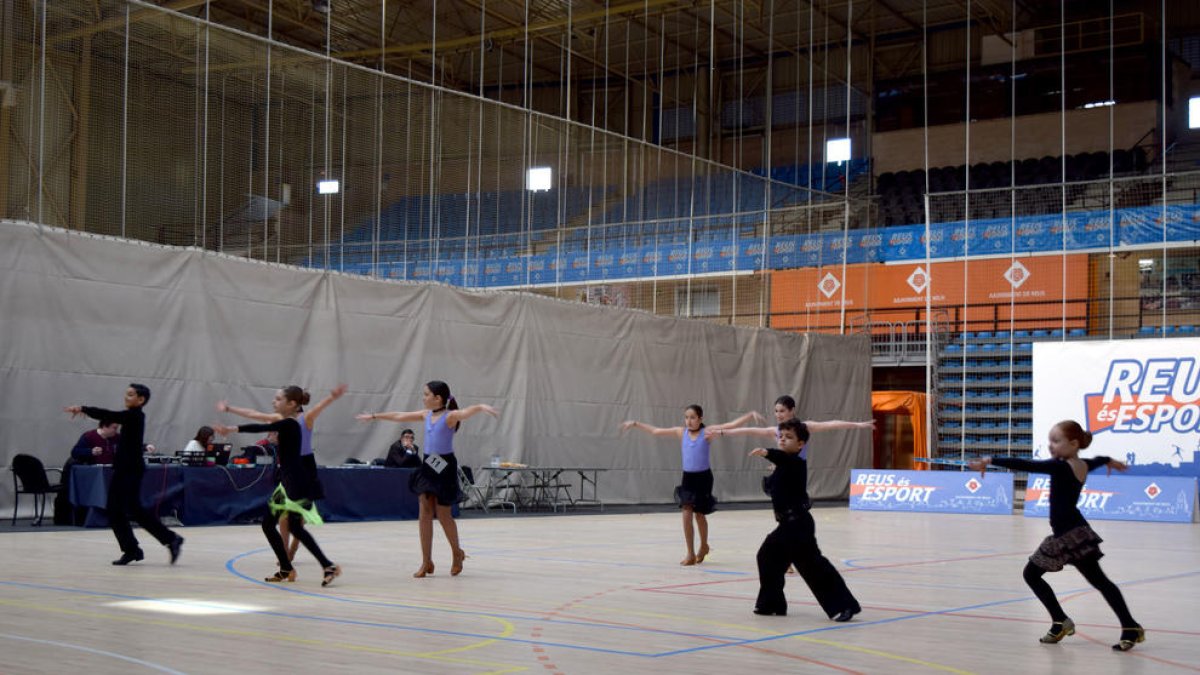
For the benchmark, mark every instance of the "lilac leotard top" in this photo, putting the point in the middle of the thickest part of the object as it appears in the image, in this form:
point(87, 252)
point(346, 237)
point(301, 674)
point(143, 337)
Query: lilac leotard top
point(439, 437)
point(305, 436)
point(695, 452)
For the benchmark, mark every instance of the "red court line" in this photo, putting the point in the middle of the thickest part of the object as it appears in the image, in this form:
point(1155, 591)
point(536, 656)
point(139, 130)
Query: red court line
point(906, 610)
point(559, 613)
point(1135, 653)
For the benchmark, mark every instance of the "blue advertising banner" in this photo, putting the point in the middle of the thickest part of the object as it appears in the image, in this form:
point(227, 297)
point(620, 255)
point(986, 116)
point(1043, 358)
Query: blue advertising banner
point(931, 491)
point(714, 251)
point(1166, 499)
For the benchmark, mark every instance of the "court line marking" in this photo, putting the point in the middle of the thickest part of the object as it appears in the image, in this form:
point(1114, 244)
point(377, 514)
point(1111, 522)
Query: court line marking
point(1134, 653)
point(367, 624)
point(241, 632)
point(92, 650)
point(657, 655)
point(916, 615)
point(532, 615)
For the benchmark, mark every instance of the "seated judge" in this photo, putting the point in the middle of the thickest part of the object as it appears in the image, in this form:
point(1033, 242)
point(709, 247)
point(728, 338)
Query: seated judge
point(404, 453)
point(267, 446)
point(95, 446)
point(99, 445)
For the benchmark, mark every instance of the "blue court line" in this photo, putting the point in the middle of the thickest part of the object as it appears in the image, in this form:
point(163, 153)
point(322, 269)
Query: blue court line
point(91, 650)
point(728, 642)
point(603, 563)
point(852, 564)
point(537, 617)
point(909, 617)
point(353, 622)
point(909, 584)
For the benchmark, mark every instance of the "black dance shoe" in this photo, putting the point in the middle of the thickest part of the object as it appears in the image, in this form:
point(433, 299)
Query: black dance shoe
point(132, 556)
point(175, 547)
point(1130, 637)
point(762, 611)
point(1058, 631)
point(846, 614)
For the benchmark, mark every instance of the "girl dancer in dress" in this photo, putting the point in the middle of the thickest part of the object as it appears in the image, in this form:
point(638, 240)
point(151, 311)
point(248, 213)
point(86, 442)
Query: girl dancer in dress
point(307, 419)
point(694, 494)
point(1073, 541)
point(297, 489)
point(436, 482)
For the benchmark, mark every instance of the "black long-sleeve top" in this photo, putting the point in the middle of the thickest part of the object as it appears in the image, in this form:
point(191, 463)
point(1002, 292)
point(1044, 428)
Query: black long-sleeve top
point(133, 429)
point(399, 457)
point(299, 478)
point(1064, 487)
point(789, 484)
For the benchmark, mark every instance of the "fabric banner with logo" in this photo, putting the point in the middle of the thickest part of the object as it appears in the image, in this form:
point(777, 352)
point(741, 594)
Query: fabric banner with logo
point(1140, 399)
point(1158, 498)
point(931, 491)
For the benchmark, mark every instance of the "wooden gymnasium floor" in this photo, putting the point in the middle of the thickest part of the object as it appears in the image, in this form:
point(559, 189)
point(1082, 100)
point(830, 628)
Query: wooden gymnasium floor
point(591, 594)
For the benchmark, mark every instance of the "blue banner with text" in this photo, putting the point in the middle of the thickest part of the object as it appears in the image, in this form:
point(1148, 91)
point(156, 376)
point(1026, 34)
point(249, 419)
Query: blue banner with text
point(931, 491)
point(1167, 499)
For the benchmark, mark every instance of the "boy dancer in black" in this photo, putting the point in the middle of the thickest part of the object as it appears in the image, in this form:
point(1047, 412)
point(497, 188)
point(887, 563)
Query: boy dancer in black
point(794, 542)
point(125, 490)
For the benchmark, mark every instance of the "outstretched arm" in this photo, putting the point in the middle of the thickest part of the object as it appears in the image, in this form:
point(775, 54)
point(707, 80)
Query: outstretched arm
point(313, 413)
point(248, 413)
point(1105, 461)
point(754, 432)
point(749, 417)
point(414, 416)
point(454, 417)
point(119, 416)
point(833, 425)
point(677, 432)
point(225, 429)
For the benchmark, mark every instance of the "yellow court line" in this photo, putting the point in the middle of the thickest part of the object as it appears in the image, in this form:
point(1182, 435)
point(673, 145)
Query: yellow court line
point(887, 655)
point(281, 637)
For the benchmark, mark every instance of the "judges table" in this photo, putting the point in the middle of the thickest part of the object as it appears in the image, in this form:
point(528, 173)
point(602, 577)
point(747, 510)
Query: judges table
point(541, 486)
point(217, 495)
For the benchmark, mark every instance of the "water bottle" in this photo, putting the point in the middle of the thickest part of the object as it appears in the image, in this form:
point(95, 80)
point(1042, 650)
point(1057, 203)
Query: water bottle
point(495, 460)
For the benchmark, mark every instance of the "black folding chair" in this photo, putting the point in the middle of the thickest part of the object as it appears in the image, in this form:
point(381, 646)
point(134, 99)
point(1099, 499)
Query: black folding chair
point(29, 478)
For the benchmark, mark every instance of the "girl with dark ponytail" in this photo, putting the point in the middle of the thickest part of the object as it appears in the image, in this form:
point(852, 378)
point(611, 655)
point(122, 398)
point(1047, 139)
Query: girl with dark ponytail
point(694, 492)
point(436, 482)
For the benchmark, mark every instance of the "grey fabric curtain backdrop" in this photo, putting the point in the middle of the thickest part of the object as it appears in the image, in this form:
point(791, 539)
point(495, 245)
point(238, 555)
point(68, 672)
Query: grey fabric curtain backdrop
point(82, 316)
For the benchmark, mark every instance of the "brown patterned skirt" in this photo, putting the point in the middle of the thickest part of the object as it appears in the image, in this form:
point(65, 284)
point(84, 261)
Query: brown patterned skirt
point(1073, 546)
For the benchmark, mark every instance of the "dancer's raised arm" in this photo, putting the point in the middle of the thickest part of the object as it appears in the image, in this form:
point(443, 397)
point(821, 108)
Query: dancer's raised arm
point(456, 416)
point(752, 416)
point(835, 425)
point(310, 417)
point(248, 413)
point(413, 416)
point(677, 432)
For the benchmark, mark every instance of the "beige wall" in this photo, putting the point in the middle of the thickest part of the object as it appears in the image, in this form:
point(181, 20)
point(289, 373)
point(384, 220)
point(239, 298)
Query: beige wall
point(1036, 136)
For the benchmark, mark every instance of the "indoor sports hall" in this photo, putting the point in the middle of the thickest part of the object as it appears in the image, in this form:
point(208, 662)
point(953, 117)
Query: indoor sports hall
point(586, 336)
